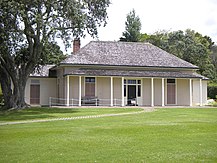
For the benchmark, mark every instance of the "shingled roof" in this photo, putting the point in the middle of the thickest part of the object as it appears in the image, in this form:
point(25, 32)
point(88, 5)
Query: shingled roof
point(111, 53)
point(135, 73)
point(42, 71)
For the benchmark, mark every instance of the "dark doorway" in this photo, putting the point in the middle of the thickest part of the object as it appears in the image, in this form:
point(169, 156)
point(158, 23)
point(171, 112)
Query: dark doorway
point(34, 94)
point(131, 97)
point(171, 91)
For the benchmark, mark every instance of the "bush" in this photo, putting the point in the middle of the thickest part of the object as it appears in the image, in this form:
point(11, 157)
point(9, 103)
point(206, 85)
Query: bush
point(212, 91)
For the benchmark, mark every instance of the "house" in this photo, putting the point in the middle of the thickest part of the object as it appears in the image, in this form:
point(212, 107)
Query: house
point(118, 74)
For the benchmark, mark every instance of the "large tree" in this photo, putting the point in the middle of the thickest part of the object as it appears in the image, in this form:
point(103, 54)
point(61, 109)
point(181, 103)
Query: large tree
point(27, 26)
point(214, 58)
point(132, 28)
point(188, 45)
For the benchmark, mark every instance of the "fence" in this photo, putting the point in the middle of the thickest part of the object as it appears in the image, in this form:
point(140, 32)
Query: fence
point(84, 102)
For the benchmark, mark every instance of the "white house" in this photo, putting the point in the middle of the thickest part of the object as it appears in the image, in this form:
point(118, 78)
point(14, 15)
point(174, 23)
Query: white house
point(118, 74)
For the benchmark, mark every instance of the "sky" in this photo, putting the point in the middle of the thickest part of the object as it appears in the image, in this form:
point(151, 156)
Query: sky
point(157, 15)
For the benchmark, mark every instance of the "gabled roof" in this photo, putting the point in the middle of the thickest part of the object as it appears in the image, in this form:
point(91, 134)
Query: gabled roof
point(125, 54)
point(42, 71)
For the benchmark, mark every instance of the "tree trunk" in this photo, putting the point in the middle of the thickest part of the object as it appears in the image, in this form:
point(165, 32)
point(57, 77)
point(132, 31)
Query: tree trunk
point(13, 91)
point(6, 90)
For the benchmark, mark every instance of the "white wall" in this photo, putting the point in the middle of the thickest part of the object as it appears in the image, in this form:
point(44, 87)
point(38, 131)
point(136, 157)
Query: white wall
point(117, 90)
point(183, 92)
point(157, 92)
point(73, 89)
point(204, 90)
point(104, 90)
point(196, 91)
point(48, 88)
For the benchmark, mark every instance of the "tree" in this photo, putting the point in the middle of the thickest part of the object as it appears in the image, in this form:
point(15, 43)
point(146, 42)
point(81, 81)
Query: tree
point(214, 58)
point(51, 54)
point(132, 28)
point(188, 45)
point(27, 26)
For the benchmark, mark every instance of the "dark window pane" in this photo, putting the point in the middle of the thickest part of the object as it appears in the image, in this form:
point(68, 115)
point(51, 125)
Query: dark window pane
point(90, 80)
point(139, 81)
point(131, 81)
point(125, 91)
point(171, 80)
point(139, 91)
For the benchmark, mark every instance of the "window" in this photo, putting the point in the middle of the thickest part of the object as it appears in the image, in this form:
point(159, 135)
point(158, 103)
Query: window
point(125, 90)
point(136, 84)
point(131, 82)
point(90, 80)
point(139, 91)
point(89, 86)
point(171, 81)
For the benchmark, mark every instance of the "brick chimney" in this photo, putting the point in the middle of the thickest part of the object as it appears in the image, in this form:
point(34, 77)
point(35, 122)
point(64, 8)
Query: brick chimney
point(76, 45)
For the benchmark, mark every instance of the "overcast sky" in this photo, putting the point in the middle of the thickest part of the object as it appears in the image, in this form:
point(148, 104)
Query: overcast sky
point(155, 15)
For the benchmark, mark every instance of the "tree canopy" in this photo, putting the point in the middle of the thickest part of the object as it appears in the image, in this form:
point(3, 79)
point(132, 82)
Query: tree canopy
point(28, 28)
point(132, 28)
point(188, 45)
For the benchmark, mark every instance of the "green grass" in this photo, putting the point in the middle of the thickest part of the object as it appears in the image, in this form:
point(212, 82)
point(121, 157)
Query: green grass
point(165, 135)
point(46, 113)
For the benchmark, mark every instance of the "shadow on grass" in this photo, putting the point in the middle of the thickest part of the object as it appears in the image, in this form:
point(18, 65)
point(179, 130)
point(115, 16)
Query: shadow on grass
point(35, 113)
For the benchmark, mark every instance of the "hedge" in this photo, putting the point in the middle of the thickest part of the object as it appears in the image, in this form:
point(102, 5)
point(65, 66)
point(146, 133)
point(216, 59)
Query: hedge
point(212, 91)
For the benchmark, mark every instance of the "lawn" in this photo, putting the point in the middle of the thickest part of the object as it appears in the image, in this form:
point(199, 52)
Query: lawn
point(47, 113)
point(165, 135)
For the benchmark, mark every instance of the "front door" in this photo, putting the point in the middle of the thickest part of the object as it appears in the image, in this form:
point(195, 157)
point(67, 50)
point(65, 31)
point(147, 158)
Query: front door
point(131, 97)
point(171, 92)
point(34, 94)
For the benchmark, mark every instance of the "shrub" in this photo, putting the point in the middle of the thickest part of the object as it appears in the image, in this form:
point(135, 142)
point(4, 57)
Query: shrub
point(212, 91)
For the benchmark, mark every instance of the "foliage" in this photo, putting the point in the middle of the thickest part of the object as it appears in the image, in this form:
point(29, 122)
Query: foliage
point(132, 28)
point(29, 27)
point(214, 103)
point(51, 54)
point(165, 135)
point(212, 91)
point(188, 45)
point(214, 58)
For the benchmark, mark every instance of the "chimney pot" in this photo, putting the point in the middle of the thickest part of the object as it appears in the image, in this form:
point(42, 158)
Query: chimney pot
point(76, 45)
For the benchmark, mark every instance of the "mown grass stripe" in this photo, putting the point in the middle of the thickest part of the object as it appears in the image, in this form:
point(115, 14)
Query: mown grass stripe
point(69, 118)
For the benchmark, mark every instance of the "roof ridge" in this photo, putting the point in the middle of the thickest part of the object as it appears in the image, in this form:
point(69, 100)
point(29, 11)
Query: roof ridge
point(123, 42)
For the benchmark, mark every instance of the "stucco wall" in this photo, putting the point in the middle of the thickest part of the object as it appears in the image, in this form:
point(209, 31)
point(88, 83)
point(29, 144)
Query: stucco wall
point(117, 90)
point(183, 93)
point(60, 84)
point(204, 90)
point(27, 91)
point(146, 92)
point(196, 92)
point(104, 90)
point(157, 92)
point(48, 88)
